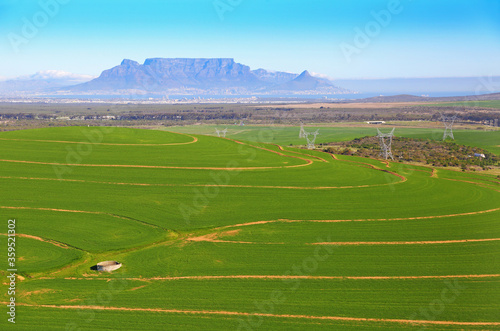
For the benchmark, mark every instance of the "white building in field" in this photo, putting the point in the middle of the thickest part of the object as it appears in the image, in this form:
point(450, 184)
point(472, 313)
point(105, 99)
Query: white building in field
point(108, 266)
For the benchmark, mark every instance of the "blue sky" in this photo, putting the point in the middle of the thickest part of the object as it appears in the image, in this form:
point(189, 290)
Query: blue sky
point(419, 38)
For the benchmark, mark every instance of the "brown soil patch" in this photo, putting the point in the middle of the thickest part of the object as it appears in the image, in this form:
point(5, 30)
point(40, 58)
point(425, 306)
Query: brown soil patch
point(136, 288)
point(230, 233)
point(213, 237)
point(37, 292)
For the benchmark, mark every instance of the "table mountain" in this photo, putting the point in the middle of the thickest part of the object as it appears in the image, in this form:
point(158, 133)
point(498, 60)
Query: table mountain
point(201, 76)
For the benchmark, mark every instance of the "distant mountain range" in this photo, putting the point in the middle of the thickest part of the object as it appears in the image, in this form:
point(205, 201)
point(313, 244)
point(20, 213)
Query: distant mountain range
point(42, 81)
point(219, 76)
point(158, 77)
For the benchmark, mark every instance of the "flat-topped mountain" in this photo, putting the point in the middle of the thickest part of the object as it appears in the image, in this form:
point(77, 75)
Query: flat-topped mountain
point(202, 76)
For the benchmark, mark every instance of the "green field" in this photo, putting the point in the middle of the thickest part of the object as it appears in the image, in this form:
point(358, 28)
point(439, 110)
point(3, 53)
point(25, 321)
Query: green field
point(479, 103)
point(244, 233)
point(489, 140)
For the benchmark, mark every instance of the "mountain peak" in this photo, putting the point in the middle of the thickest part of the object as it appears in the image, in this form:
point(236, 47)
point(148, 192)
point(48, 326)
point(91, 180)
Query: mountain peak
point(305, 74)
point(127, 62)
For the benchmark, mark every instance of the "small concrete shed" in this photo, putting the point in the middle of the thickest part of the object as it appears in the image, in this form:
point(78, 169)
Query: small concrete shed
point(108, 266)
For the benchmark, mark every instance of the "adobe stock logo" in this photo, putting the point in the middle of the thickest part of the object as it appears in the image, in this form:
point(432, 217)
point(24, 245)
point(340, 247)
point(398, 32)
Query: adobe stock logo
point(223, 6)
point(363, 37)
point(31, 27)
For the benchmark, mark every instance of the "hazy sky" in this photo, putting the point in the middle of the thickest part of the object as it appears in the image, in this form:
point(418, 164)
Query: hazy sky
point(341, 39)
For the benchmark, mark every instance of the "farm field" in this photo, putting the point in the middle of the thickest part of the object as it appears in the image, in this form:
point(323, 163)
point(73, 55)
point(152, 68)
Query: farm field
point(488, 140)
point(245, 232)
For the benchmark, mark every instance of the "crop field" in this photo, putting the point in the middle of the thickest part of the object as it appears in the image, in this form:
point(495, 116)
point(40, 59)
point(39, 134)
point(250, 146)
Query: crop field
point(489, 140)
point(244, 232)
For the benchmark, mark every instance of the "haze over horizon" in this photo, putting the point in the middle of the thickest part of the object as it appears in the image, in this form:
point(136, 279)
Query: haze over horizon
point(366, 39)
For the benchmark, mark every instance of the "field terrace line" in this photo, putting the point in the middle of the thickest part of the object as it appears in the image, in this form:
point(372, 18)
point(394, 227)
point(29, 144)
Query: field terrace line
point(204, 185)
point(106, 144)
point(273, 277)
point(357, 220)
point(234, 313)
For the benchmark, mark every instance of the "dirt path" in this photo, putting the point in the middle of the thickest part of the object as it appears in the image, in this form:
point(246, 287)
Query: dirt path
point(50, 241)
point(270, 150)
point(157, 167)
point(341, 243)
point(305, 155)
point(106, 144)
point(202, 185)
point(358, 220)
point(168, 278)
point(61, 210)
point(234, 313)
point(474, 183)
point(214, 237)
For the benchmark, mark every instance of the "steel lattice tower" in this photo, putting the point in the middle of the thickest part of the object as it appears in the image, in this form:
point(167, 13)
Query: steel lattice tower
point(302, 133)
point(221, 133)
point(385, 140)
point(448, 126)
point(311, 138)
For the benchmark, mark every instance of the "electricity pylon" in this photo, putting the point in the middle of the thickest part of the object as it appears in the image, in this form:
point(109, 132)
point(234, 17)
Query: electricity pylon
point(302, 133)
point(448, 126)
point(385, 141)
point(311, 138)
point(221, 133)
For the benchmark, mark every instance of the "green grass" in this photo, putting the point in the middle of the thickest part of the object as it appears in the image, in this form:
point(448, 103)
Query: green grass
point(468, 104)
point(205, 258)
point(447, 228)
point(114, 233)
point(393, 299)
point(488, 140)
point(143, 217)
point(36, 256)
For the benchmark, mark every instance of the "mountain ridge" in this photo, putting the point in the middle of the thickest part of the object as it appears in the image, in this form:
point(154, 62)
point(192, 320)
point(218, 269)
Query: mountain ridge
point(202, 76)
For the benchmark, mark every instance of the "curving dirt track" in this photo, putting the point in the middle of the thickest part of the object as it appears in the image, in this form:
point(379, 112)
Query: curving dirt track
point(234, 313)
point(106, 144)
point(204, 185)
point(359, 220)
point(50, 241)
point(342, 243)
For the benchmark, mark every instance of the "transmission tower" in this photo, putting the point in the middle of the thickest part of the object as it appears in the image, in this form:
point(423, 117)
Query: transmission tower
point(385, 140)
point(448, 126)
point(302, 133)
point(221, 133)
point(311, 138)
